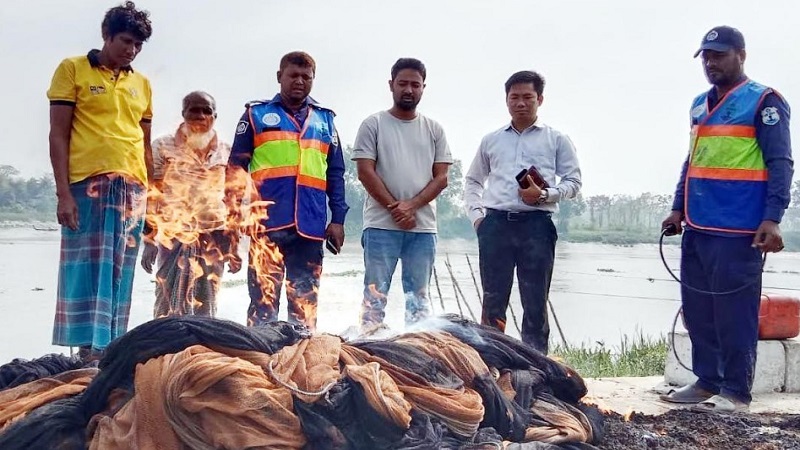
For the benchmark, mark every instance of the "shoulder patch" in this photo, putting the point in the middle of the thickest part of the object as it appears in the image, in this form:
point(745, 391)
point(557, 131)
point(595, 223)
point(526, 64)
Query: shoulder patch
point(770, 115)
point(698, 110)
point(241, 128)
point(335, 137)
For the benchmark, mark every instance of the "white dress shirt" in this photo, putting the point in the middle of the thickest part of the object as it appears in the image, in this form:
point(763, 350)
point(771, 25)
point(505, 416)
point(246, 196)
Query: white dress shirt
point(504, 153)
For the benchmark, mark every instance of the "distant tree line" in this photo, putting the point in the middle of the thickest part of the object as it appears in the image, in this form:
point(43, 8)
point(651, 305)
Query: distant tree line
point(603, 218)
point(34, 198)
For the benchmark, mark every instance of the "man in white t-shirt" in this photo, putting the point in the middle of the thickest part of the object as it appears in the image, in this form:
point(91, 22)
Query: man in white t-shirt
point(402, 159)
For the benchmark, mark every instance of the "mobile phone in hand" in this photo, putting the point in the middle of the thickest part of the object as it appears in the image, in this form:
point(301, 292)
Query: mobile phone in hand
point(538, 179)
point(331, 246)
point(522, 179)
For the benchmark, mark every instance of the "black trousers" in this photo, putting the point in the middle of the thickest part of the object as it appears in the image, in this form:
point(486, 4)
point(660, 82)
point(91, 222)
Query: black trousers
point(527, 242)
point(299, 265)
point(723, 328)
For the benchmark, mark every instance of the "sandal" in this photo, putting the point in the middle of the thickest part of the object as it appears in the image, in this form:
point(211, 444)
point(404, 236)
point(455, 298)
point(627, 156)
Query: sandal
point(688, 394)
point(721, 404)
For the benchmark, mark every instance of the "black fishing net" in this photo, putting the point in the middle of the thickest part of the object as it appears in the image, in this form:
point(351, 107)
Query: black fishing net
point(21, 371)
point(505, 352)
point(413, 360)
point(424, 433)
point(173, 334)
point(342, 418)
point(60, 425)
point(507, 417)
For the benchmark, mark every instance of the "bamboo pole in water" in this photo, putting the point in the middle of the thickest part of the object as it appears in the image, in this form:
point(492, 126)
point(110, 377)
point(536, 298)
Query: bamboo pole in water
point(558, 325)
point(457, 288)
point(438, 289)
point(455, 293)
point(474, 280)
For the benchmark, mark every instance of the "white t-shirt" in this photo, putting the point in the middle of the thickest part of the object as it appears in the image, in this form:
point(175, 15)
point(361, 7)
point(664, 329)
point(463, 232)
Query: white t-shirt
point(404, 152)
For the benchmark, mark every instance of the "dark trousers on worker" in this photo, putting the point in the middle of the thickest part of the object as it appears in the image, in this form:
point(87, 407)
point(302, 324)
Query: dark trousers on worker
point(299, 263)
point(525, 241)
point(723, 328)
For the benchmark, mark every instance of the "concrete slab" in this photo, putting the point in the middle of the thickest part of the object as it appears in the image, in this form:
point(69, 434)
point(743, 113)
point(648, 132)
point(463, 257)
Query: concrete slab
point(771, 365)
point(640, 394)
point(792, 381)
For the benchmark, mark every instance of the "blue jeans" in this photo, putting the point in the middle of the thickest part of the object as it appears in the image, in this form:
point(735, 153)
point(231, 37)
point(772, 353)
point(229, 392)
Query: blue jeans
point(382, 250)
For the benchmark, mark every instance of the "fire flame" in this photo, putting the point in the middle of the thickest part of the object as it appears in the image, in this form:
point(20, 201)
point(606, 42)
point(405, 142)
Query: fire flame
point(131, 212)
point(604, 408)
point(192, 200)
point(369, 306)
point(597, 403)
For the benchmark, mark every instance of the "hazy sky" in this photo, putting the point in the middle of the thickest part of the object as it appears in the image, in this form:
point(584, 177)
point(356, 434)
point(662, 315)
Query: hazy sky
point(620, 74)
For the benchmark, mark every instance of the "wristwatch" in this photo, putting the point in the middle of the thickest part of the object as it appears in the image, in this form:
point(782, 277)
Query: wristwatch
point(543, 196)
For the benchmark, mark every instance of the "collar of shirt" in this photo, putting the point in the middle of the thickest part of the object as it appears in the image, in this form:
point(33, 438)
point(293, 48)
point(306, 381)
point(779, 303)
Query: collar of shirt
point(94, 61)
point(713, 94)
point(536, 124)
point(299, 115)
point(308, 101)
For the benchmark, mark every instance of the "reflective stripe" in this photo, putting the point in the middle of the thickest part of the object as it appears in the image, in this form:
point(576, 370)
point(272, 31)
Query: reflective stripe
point(727, 174)
point(312, 182)
point(727, 152)
point(314, 144)
point(267, 136)
point(275, 172)
point(270, 136)
point(275, 154)
point(725, 130)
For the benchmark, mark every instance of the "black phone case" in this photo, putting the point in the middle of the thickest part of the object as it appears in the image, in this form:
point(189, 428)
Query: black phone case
point(331, 248)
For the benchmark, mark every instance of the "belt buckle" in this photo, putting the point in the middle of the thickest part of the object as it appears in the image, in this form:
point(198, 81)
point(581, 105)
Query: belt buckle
point(512, 216)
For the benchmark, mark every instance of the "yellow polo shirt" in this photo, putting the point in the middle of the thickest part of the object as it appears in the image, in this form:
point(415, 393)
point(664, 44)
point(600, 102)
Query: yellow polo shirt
point(106, 133)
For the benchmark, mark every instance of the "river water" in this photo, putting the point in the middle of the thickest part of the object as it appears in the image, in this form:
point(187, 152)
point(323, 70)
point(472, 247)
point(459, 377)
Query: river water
point(599, 293)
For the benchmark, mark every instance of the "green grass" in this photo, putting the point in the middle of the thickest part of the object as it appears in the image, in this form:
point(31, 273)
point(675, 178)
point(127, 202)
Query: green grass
point(635, 357)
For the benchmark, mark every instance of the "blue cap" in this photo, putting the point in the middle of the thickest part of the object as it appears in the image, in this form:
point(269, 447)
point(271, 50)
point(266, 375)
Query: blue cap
point(722, 39)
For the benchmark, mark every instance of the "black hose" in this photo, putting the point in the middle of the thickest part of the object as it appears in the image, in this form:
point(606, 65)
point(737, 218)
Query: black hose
point(671, 230)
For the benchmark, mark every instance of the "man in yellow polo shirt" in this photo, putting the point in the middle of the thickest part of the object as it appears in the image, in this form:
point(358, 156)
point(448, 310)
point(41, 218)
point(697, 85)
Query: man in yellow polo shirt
point(100, 112)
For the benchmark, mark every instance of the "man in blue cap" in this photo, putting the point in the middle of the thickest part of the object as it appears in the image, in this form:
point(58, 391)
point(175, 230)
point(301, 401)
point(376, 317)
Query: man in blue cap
point(732, 193)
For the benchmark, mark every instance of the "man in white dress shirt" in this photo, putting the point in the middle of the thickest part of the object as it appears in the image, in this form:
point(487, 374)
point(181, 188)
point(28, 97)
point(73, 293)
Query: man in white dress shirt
point(514, 224)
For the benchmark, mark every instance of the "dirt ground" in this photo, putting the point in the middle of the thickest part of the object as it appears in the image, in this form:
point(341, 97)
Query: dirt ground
point(772, 424)
point(682, 429)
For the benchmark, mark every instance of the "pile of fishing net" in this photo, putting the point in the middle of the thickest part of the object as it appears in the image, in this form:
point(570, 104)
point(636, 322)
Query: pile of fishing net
point(199, 383)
